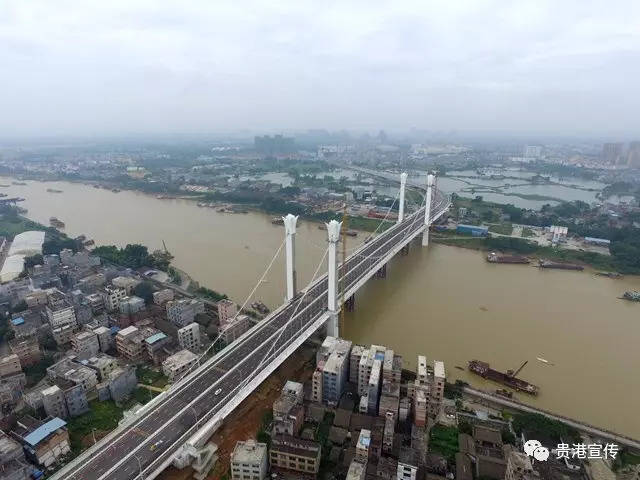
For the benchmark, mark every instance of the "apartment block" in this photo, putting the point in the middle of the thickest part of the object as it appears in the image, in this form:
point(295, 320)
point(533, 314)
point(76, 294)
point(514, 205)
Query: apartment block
point(127, 284)
point(112, 297)
point(291, 454)
point(183, 312)
point(27, 349)
point(249, 461)
point(10, 365)
point(162, 296)
point(375, 352)
point(227, 309)
point(130, 305)
point(335, 373)
point(103, 365)
point(373, 389)
point(189, 337)
point(178, 364)
point(363, 445)
point(357, 351)
point(105, 338)
point(85, 344)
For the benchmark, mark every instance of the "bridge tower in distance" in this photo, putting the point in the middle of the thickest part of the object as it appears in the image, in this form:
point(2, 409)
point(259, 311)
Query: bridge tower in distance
point(290, 250)
point(403, 182)
point(427, 209)
point(333, 236)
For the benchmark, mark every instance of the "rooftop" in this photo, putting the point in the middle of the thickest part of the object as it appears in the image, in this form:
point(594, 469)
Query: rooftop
point(155, 338)
point(249, 452)
point(43, 431)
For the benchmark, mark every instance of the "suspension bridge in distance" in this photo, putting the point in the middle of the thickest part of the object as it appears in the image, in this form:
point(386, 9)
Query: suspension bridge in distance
point(175, 426)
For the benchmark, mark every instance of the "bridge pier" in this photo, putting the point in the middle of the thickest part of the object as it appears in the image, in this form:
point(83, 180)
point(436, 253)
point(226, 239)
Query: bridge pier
point(404, 251)
point(382, 272)
point(333, 236)
point(427, 210)
point(290, 249)
point(202, 460)
point(403, 182)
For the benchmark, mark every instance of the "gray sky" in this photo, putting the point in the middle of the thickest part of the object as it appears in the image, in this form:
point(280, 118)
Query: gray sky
point(132, 66)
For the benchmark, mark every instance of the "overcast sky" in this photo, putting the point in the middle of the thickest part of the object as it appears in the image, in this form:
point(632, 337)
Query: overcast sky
point(117, 67)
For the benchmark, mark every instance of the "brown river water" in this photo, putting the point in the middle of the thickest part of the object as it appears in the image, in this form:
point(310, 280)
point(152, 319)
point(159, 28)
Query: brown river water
point(444, 302)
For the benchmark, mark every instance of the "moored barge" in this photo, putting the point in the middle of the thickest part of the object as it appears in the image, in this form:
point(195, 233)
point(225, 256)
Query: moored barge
point(507, 378)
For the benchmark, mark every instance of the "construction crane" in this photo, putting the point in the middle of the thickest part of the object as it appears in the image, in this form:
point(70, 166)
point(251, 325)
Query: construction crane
point(513, 374)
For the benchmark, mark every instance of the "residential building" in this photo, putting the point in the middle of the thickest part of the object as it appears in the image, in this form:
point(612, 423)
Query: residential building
point(189, 337)
point(155, 344)
point(406, 471)
point(357, 470)
point(36, 298)
point(375, 352)
point(44, 443)
point(288, 414)
point(316, 383)
point(85, 344)
point(60, 312)
point(54, 403)
point(232, 330)
point(102, 364)
point(519, 467)
point(178, 364)
point(420, 408)
point(392, 366)
point(227, 309)
point(388, 432)
point(183, 312)
point(249, 461)
point(436, 392)
point(362, 446)
point(10, 365)
point(162, 296)
point(96, 303)
point(12, 462)
point(127, 284)
point(389, 398)
point(129, 344)
point(131, 305)
point(294, 454)
point(64, 334)
point(357, 351)
point(105, 338)
point(27, 349)
point(79, 374)
point(112, 297)
point(122, 381)
point(336, 372)
point(373, 390)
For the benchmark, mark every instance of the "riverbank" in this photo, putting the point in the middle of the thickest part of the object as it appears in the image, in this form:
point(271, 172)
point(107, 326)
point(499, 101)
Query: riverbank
point(593, 260)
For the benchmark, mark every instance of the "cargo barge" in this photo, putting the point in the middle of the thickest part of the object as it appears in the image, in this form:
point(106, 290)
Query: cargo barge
point(559, 266)
point(495, 258)
point(508, 379)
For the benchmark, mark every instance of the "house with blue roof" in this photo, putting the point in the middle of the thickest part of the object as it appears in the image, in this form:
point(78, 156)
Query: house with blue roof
point(44, 442)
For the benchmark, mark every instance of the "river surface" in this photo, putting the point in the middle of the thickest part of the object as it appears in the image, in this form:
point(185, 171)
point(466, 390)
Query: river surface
point(444, 302)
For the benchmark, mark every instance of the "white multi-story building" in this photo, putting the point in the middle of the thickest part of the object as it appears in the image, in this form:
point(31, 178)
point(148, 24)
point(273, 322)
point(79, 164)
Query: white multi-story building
point(357, 351)
point(112, 298)
point(406, 471)
point(363, 445)
point(131, 305)
point(249, 461)
point(10, 365)
point(376, 352)
point(183, 312)
point(189, 337)
point(373, 389)
point(178, 364)
point(59, 312)
point(436, 392)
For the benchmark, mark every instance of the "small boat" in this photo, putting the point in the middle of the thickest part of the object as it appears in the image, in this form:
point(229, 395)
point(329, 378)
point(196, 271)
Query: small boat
point(544, 360)
point(115, 190)
point(4, 185)
point(19, 183)
point(459, 367)
point(53, 190)
point(56, 223)
point(277, 221)
point(631, 295)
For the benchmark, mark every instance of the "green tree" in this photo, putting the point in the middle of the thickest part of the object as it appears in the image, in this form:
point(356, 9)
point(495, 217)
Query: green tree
point(33, 260)
point(145, 291)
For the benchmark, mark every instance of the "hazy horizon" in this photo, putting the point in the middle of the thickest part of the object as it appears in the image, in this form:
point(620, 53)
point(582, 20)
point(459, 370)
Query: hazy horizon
point(532, 68)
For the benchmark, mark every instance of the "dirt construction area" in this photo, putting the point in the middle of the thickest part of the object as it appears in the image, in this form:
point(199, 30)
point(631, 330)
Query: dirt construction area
point(245, 420)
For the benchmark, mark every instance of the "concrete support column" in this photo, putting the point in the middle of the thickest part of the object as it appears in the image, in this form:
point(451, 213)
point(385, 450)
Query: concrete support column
point(333, 236)
point(403, 182)
point(290, 249)
point(427, 210)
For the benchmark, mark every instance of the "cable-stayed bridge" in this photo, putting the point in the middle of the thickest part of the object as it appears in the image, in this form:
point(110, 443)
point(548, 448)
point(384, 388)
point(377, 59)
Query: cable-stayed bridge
point(174, 427)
